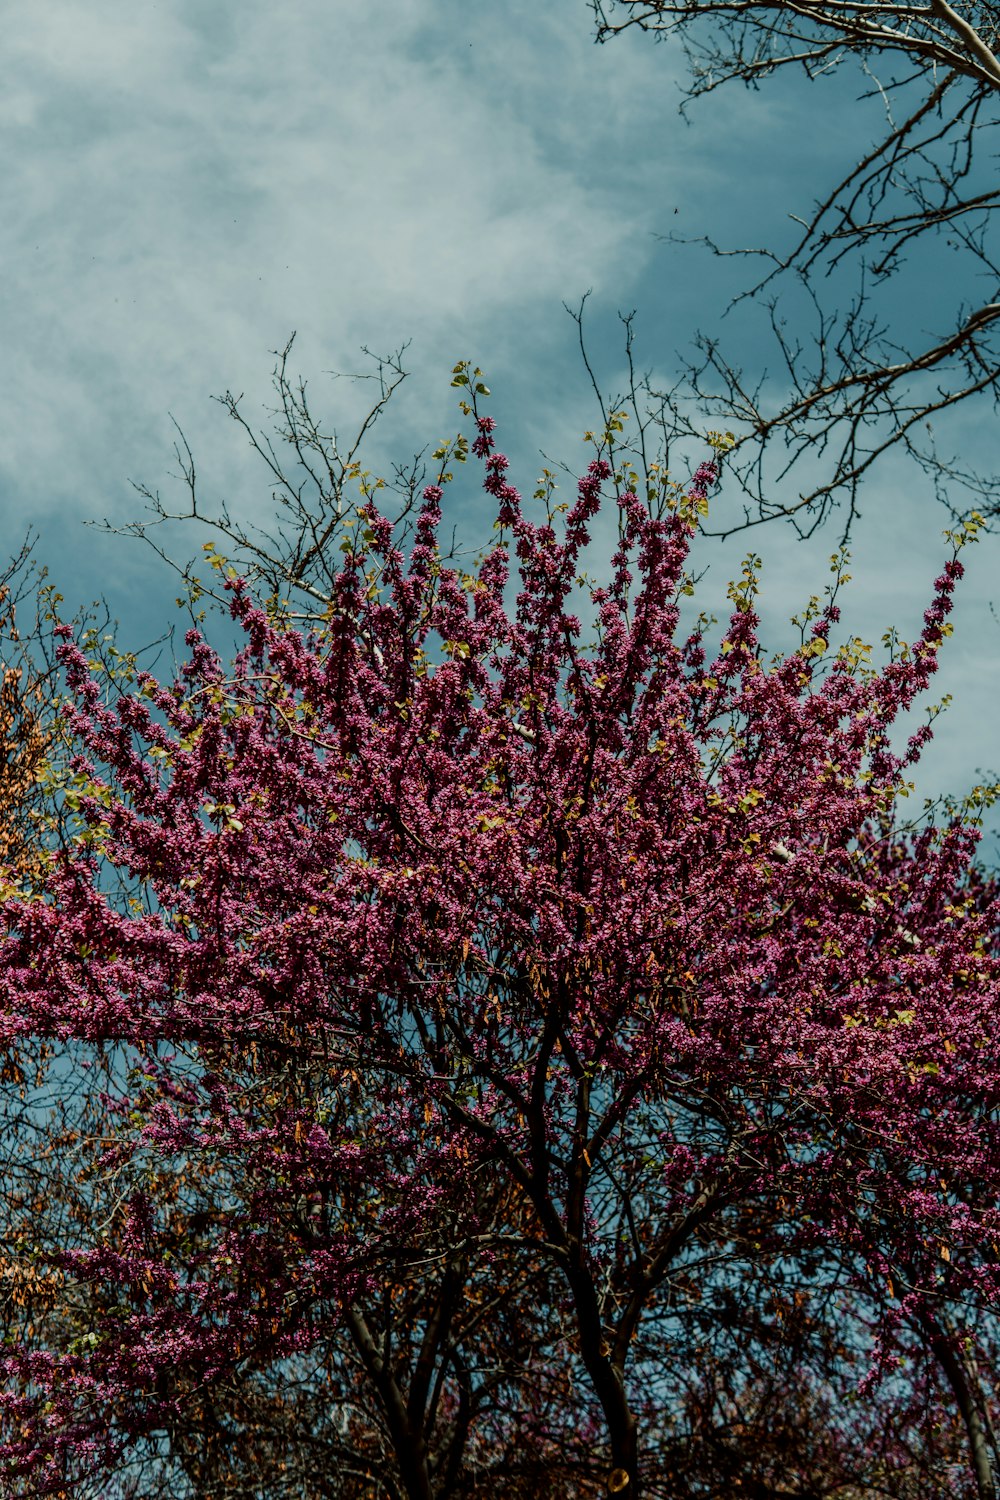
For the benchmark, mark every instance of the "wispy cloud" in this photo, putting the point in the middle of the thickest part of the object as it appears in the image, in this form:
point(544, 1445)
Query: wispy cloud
point(188, 183)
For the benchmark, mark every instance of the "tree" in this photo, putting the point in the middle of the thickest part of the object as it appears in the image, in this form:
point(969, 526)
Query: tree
point(28, 728)
point(495, 1037)
point(856, 377)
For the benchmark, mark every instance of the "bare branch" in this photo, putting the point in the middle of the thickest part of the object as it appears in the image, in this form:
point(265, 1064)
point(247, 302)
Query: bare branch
point(852, 384)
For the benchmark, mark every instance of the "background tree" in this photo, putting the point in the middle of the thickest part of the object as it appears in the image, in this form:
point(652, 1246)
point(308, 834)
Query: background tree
point(28, 727)
point(855, 374)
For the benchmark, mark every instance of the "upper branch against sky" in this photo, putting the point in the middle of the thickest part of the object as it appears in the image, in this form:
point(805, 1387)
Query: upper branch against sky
point(855, 372)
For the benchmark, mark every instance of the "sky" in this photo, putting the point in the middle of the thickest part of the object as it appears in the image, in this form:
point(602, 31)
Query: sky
point(186, 184)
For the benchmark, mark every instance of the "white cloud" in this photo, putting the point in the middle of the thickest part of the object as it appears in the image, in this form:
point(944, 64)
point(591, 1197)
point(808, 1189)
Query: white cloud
point(191, 182)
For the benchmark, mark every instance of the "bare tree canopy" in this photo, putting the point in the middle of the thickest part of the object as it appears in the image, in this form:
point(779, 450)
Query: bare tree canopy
point(857, 376)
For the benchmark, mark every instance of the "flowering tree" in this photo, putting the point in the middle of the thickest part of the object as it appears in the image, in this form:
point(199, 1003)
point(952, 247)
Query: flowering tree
point(496, 1041)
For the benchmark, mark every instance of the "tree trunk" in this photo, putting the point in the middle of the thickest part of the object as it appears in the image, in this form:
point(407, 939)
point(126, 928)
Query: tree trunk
point(407, 1439)
point(609, 1387)
point(623, 1478)
point(957, 1377)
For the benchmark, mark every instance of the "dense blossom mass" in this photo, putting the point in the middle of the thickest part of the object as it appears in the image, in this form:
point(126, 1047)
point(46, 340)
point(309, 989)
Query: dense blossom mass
point(516, 1043)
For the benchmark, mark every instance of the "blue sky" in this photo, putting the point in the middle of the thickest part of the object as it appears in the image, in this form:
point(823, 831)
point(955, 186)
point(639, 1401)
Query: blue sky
point(186, 183)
